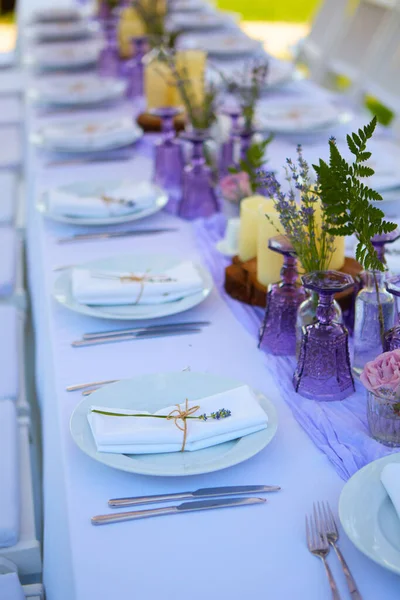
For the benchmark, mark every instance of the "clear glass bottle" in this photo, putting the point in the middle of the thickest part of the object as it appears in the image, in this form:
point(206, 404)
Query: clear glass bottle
point(368, 342)
point(307, 315)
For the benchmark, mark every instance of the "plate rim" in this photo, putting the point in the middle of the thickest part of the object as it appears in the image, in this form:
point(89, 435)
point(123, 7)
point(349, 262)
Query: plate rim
point(92, 312)
point(271, 430)
point(342, 510)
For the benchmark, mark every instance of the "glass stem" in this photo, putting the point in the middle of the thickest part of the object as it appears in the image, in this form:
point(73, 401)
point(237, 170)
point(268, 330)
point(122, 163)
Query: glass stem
point(380, 312)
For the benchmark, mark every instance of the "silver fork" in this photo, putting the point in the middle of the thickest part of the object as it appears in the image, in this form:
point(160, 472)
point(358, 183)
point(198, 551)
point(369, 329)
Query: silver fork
point(318, 545)
point(328, 525)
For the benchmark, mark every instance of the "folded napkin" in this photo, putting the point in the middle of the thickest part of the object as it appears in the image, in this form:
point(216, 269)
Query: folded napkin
point(10, 587)
point(113, 288)
point(390, 478)
point(8, 198)
point(9, 353)
point(8, 252)
point(9, 475)
point(88, 134)
point(130, 435)
point(104, 204)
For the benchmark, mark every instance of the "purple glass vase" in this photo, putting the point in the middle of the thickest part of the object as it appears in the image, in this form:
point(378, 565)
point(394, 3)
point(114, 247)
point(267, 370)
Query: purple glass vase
point(246, 136)
point(278, 331)
point(199, 198)
point(379, 242)
point(108, 65)
point(169, 161)
point(227, 152)
point(323, 370)
point(133, 70)
point(392, 336)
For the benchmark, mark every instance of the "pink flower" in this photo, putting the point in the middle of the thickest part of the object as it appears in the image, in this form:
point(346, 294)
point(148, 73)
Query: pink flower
point(235, 186)
point(382, 375)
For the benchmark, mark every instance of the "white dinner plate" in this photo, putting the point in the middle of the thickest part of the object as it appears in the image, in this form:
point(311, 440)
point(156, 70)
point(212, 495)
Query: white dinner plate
point(56, 14)
point(153, 392)
point(99, 188)
point(296, 116)
point(87, 136)
point(180, 6)
point(77, 90)
point(226, 45)
point(65, 56)
point(369, 517)
point(68, 30)
point(205, 20)
point(132, 263)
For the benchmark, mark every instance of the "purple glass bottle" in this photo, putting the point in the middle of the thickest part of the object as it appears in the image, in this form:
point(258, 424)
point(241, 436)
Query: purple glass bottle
point(169, 161)
point(392, 336)
point(278, 331)
point(227, 153)
point(199, 198)
point(323, 370)
point(108, 65)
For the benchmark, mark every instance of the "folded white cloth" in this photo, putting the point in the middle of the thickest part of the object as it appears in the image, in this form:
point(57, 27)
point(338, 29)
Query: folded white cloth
point(130, 435)
point(390, 478)
point(141, 195)
point(89, 135)
point(10, 587)
point(9, 475)
point(109, 288)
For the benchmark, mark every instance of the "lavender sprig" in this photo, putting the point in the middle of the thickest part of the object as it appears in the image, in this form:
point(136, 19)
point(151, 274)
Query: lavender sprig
point(222, 413)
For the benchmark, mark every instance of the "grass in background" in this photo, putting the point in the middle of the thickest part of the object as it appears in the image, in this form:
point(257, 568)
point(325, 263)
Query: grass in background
point(292, 11)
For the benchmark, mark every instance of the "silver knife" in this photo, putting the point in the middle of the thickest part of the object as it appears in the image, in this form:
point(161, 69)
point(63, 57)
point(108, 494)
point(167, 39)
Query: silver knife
point(88, 160)
point(165, 326)
point(112, 234)
point(174, 510)
point(202, 493)
point(141, 335)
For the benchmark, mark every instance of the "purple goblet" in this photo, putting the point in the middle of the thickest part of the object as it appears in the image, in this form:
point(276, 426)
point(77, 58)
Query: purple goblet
point(198, 194)
point(379, 242)
point(227, 155)
point(246, 136)
point(323, 371)
point(108, 65)
point(133, 70)
point(278, 331)
point(169, 161)
point(392, 336)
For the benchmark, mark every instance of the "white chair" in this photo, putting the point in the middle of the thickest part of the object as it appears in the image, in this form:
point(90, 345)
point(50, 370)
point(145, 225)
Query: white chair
point(325, 30)
point(362, 37)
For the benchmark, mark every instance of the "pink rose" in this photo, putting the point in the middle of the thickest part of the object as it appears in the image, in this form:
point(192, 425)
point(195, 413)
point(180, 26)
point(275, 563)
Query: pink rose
point(382, 375)
point(235, 186)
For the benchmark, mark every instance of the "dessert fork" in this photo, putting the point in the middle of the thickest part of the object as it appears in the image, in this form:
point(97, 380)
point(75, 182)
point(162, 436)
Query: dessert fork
point(318, 545)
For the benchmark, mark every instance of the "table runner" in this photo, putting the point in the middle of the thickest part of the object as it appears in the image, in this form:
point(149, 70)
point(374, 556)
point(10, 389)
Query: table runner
point(339, 429)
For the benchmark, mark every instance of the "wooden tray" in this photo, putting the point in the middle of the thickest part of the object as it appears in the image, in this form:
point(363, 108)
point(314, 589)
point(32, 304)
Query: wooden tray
point(152, 123)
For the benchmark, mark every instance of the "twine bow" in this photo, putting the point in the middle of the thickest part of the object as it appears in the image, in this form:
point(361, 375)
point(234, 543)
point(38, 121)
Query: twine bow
point(180, 414)
point(142, 279)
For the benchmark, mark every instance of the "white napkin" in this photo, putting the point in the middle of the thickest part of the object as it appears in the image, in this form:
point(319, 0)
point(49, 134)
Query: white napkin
point(390, 478)
point(64, 203)
point(9, 475)
point(129, 435)
point(90, 134)
point(89, 287)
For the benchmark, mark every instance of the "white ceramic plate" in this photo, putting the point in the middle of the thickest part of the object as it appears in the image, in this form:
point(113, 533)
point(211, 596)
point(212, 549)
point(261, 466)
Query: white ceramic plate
point(68, 30)
point(64, 56)
point(227, 46)
point(153, 392)
point(369, 517)
point(56, 14)
point(204, 20)
point(77, 90)
point(87, 136)
point(101, 188)
point(296, 116)
point(62, 291)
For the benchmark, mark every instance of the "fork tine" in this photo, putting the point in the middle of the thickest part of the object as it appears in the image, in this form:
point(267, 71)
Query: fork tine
point(326, 517)
point(308, 534)
point(332, 519)
point(320, 525)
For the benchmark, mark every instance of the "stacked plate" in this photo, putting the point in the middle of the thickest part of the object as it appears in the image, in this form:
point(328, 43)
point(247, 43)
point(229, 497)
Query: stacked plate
point(87, 136)
point(65, 30)
point(64, 56)
point(76, 91)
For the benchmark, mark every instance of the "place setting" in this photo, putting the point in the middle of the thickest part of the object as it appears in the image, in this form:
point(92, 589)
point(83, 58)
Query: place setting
point(63, 56)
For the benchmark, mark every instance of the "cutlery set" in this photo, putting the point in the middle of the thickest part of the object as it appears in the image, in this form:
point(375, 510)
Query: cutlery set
point(322, 532)
point(138, 333)
point(203, 499)
point(104, 235)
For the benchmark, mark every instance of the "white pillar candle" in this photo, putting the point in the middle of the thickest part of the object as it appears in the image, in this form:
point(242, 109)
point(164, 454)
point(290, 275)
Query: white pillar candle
point(269, 263)
point(249, 226)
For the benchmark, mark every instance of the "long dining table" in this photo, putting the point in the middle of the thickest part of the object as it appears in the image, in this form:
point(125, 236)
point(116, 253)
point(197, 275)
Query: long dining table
point(254, 552)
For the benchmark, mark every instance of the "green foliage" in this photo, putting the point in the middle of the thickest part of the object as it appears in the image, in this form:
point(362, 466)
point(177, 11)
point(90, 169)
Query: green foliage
point(254, 161)
point(348, 202)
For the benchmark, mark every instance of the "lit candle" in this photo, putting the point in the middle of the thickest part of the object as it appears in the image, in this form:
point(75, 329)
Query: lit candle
point(249, 217)
point(269, 264)
point(130, 25)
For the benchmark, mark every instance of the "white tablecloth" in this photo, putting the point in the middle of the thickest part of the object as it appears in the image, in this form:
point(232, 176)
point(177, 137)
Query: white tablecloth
point(236, 554)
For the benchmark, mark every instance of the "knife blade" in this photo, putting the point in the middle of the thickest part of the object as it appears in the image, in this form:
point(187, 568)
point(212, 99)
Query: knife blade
point(201, 493)
point(112, 234)
point(141, 335)
point(174, 510)
point(163, 326)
